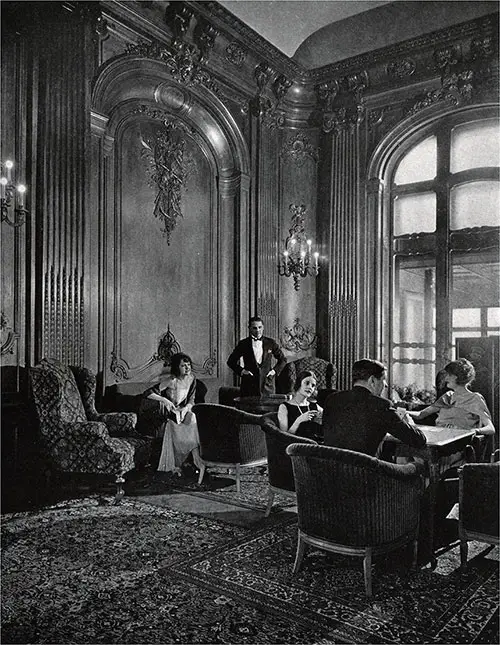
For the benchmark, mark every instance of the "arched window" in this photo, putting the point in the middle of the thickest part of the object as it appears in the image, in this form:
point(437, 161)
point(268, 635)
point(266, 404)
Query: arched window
point(444, 220)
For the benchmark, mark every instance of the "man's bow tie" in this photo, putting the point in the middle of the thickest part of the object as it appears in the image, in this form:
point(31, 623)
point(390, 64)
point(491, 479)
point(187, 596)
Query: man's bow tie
point(256, 340)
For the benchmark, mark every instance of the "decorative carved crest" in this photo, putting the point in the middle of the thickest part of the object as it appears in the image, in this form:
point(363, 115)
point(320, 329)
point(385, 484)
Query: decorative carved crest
point(348, 94)
point(167, 347)
point(281, 86)
point(299, 148)
point(235, 54)
point(298, 338)
point(401, 68)
point(204, 36)
point(262, 74)
point(182, 60)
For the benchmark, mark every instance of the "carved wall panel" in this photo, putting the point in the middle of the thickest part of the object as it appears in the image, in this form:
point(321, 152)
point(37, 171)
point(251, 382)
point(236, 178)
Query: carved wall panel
point(298, 168)
point(164, 283)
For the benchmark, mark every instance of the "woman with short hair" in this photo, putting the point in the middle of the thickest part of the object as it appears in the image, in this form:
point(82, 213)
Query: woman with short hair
point(459, 407)
point(167, 409)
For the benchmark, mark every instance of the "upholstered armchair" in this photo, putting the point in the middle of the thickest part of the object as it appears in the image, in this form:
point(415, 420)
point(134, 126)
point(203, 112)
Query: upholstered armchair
point(230, 438)
point(75, 437)
point(478, 504)
point(354, 504)
point(279, 465)
point(326, 374)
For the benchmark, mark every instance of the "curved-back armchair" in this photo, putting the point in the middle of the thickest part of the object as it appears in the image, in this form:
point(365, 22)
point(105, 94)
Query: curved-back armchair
point(478, 504)
point(326, 373)
point(279, 465)
point(74, 436)
point(230, 438)
point(355, 504)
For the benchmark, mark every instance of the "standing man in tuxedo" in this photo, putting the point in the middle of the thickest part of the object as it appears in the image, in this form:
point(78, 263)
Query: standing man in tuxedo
point(257, 351)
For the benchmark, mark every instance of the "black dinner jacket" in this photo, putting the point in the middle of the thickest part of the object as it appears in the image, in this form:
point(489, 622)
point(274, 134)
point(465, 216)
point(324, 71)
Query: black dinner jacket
point(359, 420)
point(256, 385)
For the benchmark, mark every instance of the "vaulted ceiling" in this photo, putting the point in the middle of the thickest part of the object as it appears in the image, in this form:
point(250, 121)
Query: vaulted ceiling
point(286, 24)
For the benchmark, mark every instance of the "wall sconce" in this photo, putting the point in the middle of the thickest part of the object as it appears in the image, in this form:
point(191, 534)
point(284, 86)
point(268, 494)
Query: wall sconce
point(12, 197)
point(298, 258)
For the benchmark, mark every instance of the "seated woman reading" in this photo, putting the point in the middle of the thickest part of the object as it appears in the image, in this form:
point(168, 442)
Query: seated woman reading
point(459, 407)
point(299, 415)
point(165, 410)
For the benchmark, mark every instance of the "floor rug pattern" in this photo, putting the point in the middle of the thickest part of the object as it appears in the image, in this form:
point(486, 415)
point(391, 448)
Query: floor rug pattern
point(80, 572)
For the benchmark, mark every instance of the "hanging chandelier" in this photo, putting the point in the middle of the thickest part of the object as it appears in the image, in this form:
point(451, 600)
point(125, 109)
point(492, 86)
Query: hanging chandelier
point(298, 259)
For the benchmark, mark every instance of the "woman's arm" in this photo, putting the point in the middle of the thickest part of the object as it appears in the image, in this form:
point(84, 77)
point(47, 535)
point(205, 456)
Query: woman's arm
point(283, 418)
point(421, 414)
point(486, 427)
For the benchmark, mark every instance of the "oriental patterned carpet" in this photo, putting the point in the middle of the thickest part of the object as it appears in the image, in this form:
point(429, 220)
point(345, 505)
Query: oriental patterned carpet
point(83, 572)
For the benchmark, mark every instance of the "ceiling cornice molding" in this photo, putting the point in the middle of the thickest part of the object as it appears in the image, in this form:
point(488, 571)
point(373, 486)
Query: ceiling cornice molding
point(251, 39)
point(386, 54)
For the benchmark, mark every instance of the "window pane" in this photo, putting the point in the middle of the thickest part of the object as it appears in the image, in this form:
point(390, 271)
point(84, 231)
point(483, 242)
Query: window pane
point(474, 287)
point(475, 204)
point(467, 318)
point(415, 213)
point(474, 145)
point(494, 317)
point(414, 320)
point(419, 164)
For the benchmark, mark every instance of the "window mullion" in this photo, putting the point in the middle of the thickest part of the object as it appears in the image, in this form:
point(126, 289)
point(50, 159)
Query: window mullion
point(443, 279)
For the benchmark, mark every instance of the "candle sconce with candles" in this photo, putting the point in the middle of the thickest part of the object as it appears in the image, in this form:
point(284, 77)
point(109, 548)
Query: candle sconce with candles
point(12, 197)
point(298, 259)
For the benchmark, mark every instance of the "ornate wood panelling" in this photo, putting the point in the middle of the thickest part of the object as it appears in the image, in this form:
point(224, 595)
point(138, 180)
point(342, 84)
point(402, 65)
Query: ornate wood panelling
point(263, 133)
point(339, 223)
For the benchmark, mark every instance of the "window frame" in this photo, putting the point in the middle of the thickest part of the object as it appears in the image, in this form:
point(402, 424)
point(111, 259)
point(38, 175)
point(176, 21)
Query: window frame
point(439, 245)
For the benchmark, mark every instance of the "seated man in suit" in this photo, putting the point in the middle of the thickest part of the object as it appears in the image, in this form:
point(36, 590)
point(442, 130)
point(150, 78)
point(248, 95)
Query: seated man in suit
point(257, 351)
point(358, 419)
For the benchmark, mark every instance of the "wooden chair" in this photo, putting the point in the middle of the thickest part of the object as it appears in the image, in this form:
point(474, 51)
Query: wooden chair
point(229, 438)
point(354, 504)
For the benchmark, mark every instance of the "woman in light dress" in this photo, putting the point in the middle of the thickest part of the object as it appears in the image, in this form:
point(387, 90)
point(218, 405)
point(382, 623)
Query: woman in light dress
point(167, 409)
point(459, 407)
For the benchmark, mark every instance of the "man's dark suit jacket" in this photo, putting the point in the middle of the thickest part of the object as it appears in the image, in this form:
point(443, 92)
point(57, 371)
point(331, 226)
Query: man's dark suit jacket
point(257, 384)
point(358, 420)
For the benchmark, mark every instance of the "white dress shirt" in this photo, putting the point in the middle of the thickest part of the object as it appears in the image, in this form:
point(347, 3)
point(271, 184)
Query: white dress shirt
point(257, 349)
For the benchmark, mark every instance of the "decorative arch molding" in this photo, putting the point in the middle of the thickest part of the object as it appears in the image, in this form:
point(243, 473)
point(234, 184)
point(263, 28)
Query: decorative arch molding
point(374, 237)
point(131, 87)
point(129, 78)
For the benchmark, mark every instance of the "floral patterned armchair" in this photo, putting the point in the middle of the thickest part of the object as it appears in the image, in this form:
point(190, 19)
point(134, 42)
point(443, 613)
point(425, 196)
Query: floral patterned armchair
point(75, 437)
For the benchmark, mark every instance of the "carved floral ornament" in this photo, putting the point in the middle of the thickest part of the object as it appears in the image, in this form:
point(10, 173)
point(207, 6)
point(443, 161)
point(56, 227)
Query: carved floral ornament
point(168, 165)
point(235, 54)
point(464, 67)
point(297, 337)
point(299, 149)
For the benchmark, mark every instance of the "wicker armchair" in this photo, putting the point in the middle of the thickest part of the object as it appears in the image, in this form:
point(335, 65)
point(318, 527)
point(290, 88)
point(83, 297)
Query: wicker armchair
point(75, 437)
point(279, 466)
point(354, 504)
point(478, 505)
point(326, 373)
point(229, 438)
